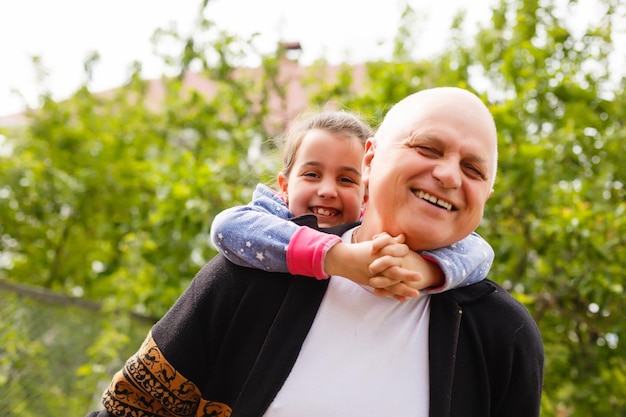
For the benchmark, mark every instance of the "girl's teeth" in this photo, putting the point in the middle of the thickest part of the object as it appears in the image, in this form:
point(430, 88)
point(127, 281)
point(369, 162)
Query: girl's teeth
point(323, 212)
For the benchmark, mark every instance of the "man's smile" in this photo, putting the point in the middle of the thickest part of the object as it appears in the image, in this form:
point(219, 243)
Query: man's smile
point(434, 200)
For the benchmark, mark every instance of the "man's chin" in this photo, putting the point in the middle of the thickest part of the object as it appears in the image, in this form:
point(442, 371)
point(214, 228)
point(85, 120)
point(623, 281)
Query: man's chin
point(429, 239)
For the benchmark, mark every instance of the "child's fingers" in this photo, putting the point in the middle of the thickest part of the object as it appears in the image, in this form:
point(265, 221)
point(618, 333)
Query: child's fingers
point(396, 249)
point(397, 291)
point(407, 276)
point(414, 280)
point(379, 265)
point(384, 293)
point(381, 282)
point(403, 290)
point(380, 241)
point(380, 235)
point(392, 267)
point(381, 292)
point(384, 240)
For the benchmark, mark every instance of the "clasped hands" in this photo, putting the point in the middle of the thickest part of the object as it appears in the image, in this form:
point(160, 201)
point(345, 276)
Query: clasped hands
point(386, 264)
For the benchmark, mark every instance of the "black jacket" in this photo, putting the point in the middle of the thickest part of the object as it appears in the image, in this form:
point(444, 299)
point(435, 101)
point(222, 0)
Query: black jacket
point(230, 341)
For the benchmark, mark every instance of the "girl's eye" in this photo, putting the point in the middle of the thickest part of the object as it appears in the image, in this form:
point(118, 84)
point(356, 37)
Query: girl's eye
point(310, 175)
point(347, 179)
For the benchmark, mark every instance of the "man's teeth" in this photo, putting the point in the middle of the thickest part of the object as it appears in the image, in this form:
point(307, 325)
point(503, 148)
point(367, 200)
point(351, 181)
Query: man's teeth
point(323, 212)
point(434, 200)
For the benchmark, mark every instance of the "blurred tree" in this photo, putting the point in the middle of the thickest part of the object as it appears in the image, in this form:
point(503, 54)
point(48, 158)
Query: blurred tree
point(556, 219)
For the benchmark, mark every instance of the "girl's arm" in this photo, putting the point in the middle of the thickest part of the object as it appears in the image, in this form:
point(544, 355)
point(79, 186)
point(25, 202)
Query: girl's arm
point(258, 235)
point(400, 272)
point(463, 263)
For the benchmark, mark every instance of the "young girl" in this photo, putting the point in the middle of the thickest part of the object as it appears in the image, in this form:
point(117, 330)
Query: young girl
point(321, 177)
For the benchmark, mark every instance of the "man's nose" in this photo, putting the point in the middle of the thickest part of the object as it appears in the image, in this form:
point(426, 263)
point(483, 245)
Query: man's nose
point(448, 173)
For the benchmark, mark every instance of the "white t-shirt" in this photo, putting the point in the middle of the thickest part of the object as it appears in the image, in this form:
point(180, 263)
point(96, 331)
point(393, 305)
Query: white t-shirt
point(365, 355)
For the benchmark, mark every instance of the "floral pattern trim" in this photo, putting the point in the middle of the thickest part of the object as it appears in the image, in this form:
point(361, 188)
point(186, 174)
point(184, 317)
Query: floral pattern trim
point(148, 386)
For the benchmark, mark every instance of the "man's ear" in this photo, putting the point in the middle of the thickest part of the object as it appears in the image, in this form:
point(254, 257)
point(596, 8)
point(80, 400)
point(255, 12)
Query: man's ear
point(370, 147)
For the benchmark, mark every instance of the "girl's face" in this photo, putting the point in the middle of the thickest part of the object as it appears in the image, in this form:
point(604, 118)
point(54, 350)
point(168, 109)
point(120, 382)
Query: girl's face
point(326, 178)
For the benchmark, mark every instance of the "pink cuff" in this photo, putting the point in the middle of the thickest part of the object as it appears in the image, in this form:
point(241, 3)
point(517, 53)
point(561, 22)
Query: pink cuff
point(307, 250)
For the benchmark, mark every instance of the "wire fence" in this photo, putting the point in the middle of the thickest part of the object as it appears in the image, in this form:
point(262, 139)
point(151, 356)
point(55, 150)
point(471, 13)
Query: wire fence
point(47, 347)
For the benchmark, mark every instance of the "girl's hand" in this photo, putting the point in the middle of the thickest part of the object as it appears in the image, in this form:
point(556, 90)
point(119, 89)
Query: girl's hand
point(398, 271)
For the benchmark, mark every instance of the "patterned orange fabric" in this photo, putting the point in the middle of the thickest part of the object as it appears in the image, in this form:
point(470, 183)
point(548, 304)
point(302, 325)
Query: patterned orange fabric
point(148, 386)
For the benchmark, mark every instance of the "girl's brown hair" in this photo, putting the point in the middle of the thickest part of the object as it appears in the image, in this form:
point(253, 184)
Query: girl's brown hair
point(340, 122)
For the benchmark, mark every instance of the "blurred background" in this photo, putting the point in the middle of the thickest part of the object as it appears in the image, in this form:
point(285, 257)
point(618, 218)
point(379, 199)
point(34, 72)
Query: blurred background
point(61, 35)
point(125, 127)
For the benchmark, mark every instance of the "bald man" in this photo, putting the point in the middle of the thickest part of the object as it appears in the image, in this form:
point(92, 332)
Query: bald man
point(251, 343)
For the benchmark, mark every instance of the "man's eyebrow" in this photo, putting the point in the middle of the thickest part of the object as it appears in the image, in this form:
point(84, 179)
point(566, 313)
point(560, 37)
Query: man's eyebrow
point(317, 164)
point(426, 136)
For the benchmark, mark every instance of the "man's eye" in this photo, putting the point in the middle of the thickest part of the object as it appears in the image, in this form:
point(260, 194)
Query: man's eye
point(474, 171)
point(427, 151)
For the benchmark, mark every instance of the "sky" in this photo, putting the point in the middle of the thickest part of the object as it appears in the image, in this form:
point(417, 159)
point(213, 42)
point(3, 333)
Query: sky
point(62, 33)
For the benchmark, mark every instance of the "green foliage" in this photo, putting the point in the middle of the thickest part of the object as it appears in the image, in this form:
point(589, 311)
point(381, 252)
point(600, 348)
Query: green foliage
point(111, 197)
point(556, 219)
point(45, 367)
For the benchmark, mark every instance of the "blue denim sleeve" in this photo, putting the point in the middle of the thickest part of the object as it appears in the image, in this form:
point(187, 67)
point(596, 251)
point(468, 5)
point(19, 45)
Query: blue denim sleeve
point(463, 263)
point(255, 235)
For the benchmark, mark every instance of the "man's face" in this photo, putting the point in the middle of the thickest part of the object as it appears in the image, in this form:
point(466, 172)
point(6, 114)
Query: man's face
point(430, 176)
